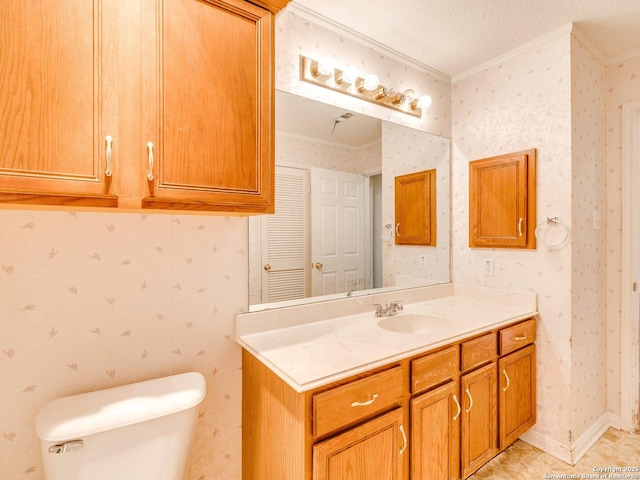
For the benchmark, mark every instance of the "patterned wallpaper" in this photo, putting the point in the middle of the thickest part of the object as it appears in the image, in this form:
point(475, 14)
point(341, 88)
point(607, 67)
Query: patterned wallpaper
point(93, 300)
point(588, 245)
point(622, 86)
point(524, 102)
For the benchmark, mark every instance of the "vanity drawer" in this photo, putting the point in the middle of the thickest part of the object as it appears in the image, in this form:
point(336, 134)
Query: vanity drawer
point(435, 368)
point(356, 401)
point(478, 351)
point(517, 336)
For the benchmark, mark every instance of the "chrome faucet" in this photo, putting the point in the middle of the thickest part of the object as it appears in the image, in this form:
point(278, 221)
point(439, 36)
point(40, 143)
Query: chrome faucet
point(391, 309)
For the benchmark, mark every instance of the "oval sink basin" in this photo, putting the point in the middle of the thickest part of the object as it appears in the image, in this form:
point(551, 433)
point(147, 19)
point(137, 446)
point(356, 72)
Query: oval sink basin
point(414, 323)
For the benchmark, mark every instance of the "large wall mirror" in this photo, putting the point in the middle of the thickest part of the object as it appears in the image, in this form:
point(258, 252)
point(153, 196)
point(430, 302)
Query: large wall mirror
point(333, 231)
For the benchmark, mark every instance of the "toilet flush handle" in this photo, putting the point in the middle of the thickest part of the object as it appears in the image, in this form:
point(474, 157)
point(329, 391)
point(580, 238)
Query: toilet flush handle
point(65, 447)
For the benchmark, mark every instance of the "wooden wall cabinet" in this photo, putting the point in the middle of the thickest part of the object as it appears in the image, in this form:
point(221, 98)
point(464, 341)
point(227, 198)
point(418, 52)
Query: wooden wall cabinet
point(502, 201)
point(451, 401)
point(139, 104)
point(415, 208)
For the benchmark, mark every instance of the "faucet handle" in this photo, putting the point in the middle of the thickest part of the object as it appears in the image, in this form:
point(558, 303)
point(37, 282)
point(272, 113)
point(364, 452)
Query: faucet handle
point(398, 305)
point(379, 309)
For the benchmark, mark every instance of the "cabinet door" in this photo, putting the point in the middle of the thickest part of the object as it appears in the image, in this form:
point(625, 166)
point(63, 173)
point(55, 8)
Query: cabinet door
point(210, 109)
point(374, 449)
point(517, 394)
point(415, 208)
point(502, 201)
point(435, 434)
point(54, 76)
point(479, 418)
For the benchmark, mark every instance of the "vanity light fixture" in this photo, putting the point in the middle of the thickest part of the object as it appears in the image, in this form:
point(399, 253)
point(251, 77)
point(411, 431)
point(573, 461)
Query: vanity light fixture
point(347, 80)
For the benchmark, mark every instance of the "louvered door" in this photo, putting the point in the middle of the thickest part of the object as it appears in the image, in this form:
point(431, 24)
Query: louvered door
point(285, 244)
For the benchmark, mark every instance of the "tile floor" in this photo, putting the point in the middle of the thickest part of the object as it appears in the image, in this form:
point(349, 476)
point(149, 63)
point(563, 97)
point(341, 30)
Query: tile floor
point(522, 461)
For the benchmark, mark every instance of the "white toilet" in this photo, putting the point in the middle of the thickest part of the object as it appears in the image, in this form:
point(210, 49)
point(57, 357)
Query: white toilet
point(141, 431)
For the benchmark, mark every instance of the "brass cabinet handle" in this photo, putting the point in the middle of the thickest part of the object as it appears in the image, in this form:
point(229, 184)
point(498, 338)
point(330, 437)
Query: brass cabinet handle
point(150, 171)
point(470, 401)
point(455, 399)
point(318, 265)
point(267, 267)
point(508, 381)
point(367, 403)
point(109, 140)
point(404, 439)
point(520, 226)
point(397, 229)
point(520, 337)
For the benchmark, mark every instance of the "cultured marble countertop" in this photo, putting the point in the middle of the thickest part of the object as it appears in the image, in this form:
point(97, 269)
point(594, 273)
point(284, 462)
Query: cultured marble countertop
point(314, 354)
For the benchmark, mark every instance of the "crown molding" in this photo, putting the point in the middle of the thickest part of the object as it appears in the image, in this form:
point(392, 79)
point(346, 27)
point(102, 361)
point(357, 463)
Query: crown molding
point(623, 58)
point(362, 39)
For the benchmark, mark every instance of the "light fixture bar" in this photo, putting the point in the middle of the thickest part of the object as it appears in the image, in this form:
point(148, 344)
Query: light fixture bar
point(333, 80)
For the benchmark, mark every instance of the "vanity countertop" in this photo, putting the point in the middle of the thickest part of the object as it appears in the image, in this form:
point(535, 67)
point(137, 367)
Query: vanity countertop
point(311, 355)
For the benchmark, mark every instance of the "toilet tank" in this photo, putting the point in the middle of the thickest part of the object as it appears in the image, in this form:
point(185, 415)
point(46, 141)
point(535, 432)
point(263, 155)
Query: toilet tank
point(140, 431)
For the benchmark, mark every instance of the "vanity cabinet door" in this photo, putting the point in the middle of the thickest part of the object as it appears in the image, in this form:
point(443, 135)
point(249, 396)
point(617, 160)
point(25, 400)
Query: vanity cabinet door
point(209, 109)
point(479, 418)
point(55, 72)
point(517, 394)
point(435, 434)
point(372, 450)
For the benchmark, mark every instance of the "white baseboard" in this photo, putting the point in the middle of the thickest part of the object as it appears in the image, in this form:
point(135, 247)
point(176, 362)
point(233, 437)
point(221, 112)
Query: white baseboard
point(572, 453)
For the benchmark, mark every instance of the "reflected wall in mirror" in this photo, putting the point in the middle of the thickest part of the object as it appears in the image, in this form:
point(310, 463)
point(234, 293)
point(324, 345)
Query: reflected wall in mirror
point(331, 232)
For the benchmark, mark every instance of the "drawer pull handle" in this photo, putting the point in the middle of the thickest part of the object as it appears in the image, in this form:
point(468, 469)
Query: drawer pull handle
point(508, 381)
point(520, 226)
point(404, 439)
point(109, 140)
point(367, 403)
point(470, 401)
point(520, 337)
point(455, 399)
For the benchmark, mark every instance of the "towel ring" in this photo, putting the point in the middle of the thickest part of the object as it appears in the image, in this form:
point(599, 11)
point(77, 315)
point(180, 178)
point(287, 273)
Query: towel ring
point(387, 233)
point(552, 221)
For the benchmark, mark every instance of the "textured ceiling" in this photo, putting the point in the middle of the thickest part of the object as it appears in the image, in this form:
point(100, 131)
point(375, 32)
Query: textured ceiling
point(453, 36)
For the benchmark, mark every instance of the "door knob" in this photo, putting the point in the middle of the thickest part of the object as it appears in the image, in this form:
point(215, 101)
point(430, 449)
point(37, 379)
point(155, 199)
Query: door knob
point(267, 267)
point(318, 265)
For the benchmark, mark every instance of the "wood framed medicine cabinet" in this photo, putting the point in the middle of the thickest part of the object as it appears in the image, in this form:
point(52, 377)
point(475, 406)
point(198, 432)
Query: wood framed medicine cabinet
point(502, 201)
point(415, 208)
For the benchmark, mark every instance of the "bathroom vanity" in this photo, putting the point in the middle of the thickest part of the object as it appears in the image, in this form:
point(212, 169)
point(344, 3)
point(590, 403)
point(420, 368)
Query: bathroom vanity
point(432, 392)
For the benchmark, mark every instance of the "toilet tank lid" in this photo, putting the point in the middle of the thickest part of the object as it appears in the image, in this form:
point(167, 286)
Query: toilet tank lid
point(85, 414)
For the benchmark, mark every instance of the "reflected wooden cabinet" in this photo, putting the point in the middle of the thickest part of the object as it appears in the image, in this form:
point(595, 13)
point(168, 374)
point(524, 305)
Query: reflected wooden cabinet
point(415, 208)
point(502, 201)
point(138, 104)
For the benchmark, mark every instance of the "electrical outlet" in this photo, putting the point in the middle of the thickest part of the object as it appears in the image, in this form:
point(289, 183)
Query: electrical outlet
point(596, 220)
point(488, 267)
point(422, 261)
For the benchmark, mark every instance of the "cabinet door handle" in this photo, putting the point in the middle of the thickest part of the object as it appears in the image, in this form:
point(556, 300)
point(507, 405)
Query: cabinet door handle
point(109, 140)
point(150, 171)
point(404, 440)
point(508, 381)
point(470, 401)
point(455, 399)
point(520, 337)
point(397, 229)
point(520, 226)
point(367, 403)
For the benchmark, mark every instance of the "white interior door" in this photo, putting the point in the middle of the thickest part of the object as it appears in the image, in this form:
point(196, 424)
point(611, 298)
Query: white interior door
point(337, 231)
point(285, 239)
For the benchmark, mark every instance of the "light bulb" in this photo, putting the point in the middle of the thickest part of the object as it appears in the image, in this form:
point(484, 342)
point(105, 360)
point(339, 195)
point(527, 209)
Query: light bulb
point(371, 82)
point(325, 66)
point(390, 90)
point(423, 102)
point(349, 75)
point(409, 95)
